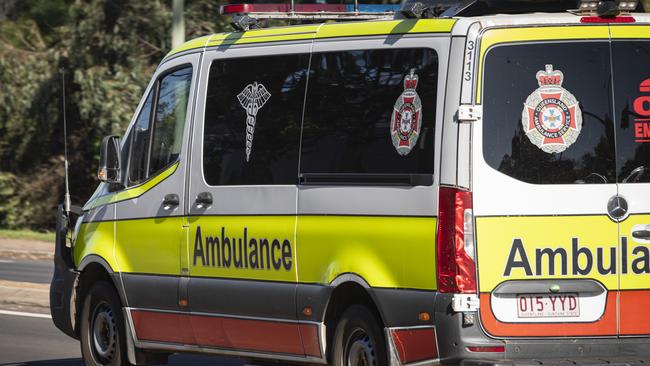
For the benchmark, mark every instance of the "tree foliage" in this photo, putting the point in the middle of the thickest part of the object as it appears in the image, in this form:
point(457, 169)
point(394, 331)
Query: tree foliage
point(107, 51)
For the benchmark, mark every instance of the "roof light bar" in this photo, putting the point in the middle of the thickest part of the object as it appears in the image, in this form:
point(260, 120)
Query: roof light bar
point(312, 11)
point(607, 8)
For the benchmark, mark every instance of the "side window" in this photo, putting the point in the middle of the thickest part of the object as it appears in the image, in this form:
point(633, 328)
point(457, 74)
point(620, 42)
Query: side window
point(632, 103)
point(547, 116)
point(169, 121)
point(370, 114)
point(252, 120)
point(157, 135)
point(140, 134)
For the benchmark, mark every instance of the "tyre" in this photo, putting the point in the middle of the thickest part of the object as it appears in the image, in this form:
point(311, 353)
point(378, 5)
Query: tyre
point(359, 339)
point(103, 339)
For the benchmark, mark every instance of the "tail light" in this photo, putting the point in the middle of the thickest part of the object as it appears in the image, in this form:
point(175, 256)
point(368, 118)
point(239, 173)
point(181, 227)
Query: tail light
point(455, 242)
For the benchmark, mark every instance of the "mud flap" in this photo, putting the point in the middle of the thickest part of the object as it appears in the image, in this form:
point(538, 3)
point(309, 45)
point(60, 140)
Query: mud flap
point(64, 280)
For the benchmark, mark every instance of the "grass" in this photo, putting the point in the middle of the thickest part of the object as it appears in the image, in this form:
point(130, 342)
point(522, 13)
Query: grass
point(27, 235)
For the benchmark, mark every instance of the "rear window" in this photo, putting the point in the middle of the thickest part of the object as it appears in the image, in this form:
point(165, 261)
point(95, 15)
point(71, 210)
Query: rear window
point(632, 103)
point(547, 113)
point(369, 116)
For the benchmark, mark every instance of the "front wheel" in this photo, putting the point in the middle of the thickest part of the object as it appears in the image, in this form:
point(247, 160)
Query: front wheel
point(359, 340)
point(102, 327)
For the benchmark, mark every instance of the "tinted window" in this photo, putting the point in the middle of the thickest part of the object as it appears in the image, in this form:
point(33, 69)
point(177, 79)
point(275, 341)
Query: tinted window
point(252, 120)
point(370, 112)
point(140, 143)
point(171, 108)
point(532, 132)
point(632, 103)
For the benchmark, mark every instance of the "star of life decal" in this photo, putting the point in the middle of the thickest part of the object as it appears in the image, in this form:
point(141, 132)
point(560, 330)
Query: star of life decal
point(551, 118)
point(252, 99)
point(406, 118)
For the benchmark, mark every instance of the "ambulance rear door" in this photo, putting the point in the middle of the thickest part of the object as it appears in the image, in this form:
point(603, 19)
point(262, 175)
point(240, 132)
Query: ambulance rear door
point(544, 169)
point(631, 57)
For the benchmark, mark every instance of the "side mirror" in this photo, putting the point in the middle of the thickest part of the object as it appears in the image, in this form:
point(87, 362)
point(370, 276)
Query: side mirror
point(109, 160)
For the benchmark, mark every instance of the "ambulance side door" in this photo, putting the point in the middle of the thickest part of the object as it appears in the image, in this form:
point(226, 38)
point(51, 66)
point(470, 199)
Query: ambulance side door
point(242, 198)
point(150, 241)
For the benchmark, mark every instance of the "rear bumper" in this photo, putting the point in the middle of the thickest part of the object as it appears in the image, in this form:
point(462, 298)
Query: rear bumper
point(454, 337)
point(616, 361)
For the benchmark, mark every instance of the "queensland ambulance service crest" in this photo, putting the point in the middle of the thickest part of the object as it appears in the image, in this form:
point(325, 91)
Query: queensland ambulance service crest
point(406, 119)
point(551, 118)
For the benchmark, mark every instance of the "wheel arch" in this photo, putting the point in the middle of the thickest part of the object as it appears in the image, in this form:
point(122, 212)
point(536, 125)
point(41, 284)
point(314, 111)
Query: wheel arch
point(94, 268)
point(347, 289)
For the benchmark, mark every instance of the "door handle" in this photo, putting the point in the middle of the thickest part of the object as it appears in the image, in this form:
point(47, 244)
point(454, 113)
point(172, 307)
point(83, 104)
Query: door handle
point(643, 234)
point(203, 199)
point(171, 200)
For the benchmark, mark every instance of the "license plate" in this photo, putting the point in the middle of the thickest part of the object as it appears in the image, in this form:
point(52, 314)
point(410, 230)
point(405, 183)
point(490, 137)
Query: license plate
point(548, 305)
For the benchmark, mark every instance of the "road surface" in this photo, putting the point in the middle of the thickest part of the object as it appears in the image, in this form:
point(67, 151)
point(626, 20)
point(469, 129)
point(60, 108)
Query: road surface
point(26, 271)
point(35, 341)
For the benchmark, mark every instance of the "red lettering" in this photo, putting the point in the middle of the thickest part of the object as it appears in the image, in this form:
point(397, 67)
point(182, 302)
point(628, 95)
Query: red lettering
point(562, 300)
point(642, 106)
point(646, 130)
point(573, 303)
point(540, 303)
point(553, 300)
point(522, 304)
point(638, 130)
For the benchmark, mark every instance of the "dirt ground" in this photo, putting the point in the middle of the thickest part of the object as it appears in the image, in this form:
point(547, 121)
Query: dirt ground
point(22, 249)
point(25, 296)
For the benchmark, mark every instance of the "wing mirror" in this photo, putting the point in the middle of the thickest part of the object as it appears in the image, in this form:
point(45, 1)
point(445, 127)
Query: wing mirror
point(109, 160)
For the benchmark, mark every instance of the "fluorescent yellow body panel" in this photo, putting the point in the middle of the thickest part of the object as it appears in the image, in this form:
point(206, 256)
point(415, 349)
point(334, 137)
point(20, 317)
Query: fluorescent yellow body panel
point(630, 31)
point(510, 35)
point(264, 35)
point(190, 45)
point(496, 239)
point(95, 238)
point(150, 245)
point(396, 252)
point(327, 30)
point(407, 26)
point(132, 192)
point(212, 256)
point(636, 276)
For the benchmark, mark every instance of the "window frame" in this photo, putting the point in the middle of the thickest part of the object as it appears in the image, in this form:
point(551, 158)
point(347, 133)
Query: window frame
point(381, 179)
point(155, 89)
point(542, 42)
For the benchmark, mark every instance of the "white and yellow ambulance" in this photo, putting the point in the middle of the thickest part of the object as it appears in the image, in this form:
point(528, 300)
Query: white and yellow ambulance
point(463, 184)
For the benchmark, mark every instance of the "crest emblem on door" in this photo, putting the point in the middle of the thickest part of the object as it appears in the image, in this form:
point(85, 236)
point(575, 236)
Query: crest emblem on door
point(551, 118)
point(406, 118)
point(252, 99)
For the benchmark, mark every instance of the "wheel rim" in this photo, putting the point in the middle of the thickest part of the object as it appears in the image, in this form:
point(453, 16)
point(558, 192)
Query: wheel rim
point(104, 333)
point(360, 351)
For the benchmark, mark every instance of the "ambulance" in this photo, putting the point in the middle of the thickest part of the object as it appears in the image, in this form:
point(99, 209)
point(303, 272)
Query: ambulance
point(433, 183)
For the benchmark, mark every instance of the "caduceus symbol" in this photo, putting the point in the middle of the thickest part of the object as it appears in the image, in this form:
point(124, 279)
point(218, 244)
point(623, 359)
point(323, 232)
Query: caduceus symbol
point(252, 98)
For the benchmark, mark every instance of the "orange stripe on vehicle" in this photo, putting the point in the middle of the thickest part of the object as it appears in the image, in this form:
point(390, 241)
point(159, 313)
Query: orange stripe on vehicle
point(226, 332)
point(162, 327)
point(605, 326)
point(415, 344)
point(310, 342)
point(634, 307)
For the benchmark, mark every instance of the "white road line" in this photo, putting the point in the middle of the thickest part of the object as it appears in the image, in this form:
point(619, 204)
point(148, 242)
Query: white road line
point(6, 261)
point(20, 313)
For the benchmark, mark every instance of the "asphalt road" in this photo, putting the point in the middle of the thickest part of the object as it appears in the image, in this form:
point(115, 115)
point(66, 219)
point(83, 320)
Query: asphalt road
point(26, 271)
point(35, 341)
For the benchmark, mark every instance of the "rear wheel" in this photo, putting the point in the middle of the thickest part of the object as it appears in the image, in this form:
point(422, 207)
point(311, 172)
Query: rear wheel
point(103, 339)
point(359, 340)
